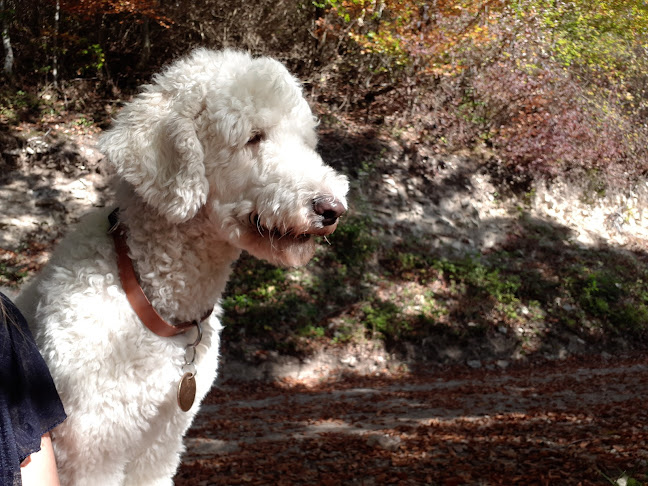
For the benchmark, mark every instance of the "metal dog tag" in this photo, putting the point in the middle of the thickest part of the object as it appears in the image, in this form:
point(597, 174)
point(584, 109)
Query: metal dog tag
point(186, 391)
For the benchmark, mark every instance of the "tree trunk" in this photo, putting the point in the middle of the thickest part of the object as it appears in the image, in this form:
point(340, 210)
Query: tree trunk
point(146, 43)
point(6, 42)
point(57, 14)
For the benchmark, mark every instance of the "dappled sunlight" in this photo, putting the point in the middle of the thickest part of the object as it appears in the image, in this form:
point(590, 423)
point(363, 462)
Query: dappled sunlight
point(548, 421)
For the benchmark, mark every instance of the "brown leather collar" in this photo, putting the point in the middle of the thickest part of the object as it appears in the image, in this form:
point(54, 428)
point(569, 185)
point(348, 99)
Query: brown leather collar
point(138, 300)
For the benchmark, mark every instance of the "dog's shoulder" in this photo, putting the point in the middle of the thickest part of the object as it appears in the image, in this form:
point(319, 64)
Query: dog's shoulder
point(87, 241)
point(84, 256)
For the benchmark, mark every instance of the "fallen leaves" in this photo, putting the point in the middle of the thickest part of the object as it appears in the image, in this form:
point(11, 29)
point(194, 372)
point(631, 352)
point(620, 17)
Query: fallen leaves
point(574, 422)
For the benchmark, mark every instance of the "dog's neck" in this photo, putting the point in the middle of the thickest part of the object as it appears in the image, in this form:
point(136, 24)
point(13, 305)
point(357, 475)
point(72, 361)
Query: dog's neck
point(166, 257)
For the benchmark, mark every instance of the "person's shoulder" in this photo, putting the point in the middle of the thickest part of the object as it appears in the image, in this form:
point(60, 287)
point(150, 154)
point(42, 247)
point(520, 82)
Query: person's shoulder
point(9, 311)
point(6, 301)
point(13, 324)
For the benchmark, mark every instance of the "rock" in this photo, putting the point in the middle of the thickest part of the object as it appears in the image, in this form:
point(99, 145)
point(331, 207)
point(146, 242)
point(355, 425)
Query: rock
point(454, 353)
point(383, 441)
point(474, 363)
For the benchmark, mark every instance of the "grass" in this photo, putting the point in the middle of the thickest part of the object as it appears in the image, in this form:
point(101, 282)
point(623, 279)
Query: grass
point(13, 103)
point(624, 479)
point(538, 285)
point(16, 104)
point(11, 275)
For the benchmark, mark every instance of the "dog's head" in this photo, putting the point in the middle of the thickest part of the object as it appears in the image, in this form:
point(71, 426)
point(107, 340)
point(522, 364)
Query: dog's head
point(230, 140)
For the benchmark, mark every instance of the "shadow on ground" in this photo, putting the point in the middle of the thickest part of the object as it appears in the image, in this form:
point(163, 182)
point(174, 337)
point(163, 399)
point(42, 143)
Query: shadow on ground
point(539, 294)
point(568, 422)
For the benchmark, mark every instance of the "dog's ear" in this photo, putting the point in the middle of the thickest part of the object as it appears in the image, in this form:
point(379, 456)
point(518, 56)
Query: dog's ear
point(158, 152)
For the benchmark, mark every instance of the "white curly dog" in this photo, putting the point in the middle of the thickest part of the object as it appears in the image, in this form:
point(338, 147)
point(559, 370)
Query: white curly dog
point(216, 155)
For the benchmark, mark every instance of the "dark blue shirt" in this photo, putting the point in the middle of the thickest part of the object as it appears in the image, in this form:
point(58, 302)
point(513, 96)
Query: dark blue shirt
point(29, 403)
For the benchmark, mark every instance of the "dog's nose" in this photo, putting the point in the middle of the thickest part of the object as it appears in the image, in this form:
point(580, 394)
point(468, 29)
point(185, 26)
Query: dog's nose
point(329, 208)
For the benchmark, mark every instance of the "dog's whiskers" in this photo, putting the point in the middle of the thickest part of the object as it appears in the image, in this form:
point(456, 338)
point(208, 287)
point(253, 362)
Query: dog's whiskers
point(259, 226)
point(274, 233)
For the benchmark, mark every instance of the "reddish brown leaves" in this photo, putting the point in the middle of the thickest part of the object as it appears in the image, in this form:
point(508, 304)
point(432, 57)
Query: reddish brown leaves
point(561, 423)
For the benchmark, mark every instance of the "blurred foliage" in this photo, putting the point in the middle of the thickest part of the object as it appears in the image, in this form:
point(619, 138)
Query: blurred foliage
point(551, 86)
point(138, 9)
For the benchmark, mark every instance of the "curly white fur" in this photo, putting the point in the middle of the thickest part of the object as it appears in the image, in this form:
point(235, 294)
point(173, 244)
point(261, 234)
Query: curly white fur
point(216, 155)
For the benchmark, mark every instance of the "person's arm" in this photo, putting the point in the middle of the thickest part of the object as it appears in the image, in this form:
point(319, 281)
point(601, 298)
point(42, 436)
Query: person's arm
point(39, 469)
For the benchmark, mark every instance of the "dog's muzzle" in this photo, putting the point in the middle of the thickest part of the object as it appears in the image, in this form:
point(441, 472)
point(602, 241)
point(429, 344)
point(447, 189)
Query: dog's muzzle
point(328, 210)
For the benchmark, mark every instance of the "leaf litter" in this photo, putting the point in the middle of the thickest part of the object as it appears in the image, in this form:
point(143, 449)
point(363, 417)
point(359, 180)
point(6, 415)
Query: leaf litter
point(576, 421)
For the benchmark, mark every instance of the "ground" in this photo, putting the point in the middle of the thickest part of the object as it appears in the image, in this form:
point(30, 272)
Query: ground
point(577, 421)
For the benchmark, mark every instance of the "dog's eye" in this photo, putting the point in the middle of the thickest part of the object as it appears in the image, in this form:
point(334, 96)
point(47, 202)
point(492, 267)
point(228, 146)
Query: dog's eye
point(256, 138)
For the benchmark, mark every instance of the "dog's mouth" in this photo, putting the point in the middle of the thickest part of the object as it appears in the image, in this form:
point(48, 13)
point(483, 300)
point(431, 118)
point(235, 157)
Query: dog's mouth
point(276, 234)
point(283, 243)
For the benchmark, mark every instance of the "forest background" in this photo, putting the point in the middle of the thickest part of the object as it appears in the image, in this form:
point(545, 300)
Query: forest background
point(417, 100)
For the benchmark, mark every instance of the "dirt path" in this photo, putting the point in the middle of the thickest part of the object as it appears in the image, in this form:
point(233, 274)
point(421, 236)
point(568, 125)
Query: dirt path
point(569, 422)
